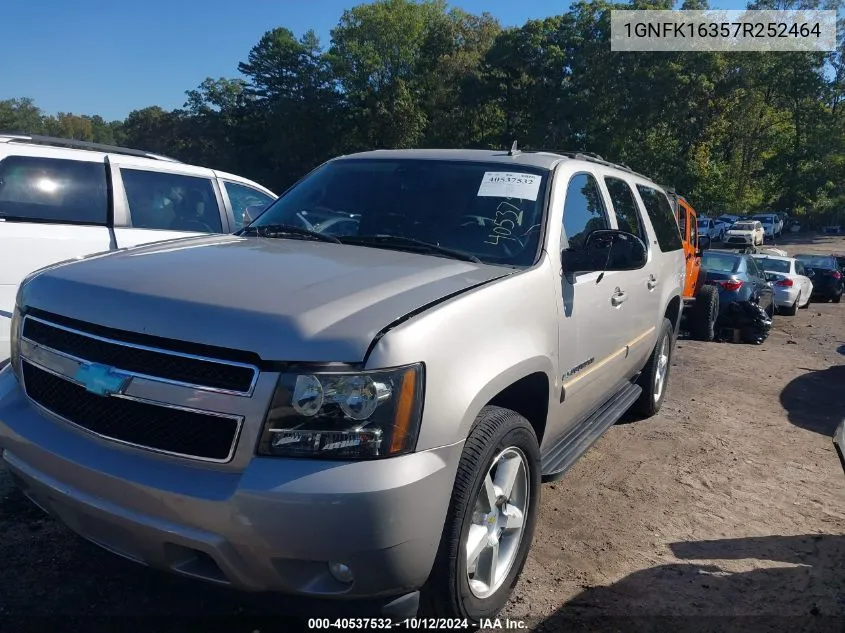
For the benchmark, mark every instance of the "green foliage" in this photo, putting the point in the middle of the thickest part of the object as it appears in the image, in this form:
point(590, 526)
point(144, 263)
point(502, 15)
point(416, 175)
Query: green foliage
point(735, 133)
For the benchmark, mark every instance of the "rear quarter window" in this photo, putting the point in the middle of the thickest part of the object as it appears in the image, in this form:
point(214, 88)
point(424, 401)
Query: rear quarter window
point(38, 189)
point(662, 219)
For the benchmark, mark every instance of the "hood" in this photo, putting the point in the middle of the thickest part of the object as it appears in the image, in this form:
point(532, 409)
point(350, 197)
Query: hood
point(290, 300)
point(740, 231)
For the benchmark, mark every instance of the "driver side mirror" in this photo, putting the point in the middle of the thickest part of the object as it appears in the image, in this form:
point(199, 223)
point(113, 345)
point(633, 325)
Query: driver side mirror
point(605, 250)
point(704, 243)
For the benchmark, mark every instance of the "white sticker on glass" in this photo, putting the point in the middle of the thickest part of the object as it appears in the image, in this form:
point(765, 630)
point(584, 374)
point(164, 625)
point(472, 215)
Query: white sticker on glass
point(506, 184)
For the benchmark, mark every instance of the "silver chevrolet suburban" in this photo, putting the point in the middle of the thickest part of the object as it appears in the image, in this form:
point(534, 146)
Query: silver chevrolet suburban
point(362, 415)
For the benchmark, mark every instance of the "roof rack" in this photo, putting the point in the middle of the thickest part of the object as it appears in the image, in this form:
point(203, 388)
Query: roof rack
point(589, 156)
point(54, 141)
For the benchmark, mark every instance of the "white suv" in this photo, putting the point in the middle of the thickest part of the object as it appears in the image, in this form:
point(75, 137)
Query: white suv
point(62, 199)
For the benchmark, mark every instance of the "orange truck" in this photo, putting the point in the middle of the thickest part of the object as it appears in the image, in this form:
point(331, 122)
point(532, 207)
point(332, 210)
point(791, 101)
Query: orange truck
point(701, 301)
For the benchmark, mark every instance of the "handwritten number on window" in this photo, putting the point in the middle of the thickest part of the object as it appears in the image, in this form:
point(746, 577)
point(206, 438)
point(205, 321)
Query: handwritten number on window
point(505, 222)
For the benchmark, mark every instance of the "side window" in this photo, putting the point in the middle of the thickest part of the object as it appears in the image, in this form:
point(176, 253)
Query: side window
point(583, 211)
point(752, 267)
point(625, 207)
point(799, 267)
point(693, 234)
point(242, 196)
point(660, 213)
point(53, 190)
point(682, 221)
point(171, 202)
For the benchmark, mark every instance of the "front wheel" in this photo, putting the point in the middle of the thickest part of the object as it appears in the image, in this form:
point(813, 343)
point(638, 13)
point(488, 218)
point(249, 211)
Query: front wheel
point(490, 522)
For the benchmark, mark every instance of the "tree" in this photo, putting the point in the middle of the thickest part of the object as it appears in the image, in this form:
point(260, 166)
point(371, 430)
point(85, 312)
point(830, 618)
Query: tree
point(21, 115)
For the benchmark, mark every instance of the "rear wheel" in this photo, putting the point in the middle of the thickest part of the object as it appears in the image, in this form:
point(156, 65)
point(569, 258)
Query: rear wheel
point(703, 314)
point(837, 298)
point(654, 378)
point(490, 522)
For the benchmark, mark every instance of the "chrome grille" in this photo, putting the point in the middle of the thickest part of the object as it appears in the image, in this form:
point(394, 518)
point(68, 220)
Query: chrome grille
point(165, 429)
point(132, 393)
point(184, 369)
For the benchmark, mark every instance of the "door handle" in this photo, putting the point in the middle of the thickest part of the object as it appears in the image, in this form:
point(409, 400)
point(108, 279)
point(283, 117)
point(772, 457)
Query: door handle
point(618, 298)
point(652, 282)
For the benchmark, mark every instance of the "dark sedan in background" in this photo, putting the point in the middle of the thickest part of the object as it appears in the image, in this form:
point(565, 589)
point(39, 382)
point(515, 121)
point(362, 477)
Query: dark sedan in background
point(824, 272)
point(738, 278)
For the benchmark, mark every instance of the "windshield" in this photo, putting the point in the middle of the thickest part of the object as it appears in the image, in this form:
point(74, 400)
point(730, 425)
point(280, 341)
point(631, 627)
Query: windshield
point(489, 211)
point(743, 226)
point(774, 265)
point(702, 222)
point(719, 262)
point(817, 261)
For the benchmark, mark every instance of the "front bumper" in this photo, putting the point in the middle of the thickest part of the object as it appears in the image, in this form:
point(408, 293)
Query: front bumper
point(739, 239)
point(274, 526)
point(839, 443)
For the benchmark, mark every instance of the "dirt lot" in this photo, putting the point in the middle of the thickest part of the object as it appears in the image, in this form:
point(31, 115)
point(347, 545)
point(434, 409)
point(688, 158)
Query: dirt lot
point(731, 502)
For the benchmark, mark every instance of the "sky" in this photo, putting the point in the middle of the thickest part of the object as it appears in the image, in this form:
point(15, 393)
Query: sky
point(110, 57)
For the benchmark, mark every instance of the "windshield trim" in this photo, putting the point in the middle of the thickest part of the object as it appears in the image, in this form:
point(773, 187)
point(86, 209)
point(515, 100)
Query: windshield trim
point(547, 174)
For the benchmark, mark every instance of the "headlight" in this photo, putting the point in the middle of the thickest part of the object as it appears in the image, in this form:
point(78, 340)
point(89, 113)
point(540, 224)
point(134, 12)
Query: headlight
point(345, 415)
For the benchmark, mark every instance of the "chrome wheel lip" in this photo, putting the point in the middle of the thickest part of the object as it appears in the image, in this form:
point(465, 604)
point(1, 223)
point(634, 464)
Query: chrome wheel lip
point(661, 370)
point(492, 542)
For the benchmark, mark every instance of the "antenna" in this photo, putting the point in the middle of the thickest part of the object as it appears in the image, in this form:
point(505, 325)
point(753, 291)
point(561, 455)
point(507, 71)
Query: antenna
point(514, 151)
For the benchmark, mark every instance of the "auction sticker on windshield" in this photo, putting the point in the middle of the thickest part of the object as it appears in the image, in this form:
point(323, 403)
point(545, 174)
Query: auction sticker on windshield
point(506, 184)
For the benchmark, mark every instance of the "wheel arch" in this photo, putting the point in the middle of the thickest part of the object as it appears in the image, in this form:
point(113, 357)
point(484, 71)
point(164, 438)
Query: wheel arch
point(525, 388)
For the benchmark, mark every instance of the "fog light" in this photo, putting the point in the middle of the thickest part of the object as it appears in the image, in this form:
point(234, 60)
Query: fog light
point(341, 572)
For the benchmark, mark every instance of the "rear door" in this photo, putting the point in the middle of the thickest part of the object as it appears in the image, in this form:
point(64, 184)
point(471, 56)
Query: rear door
point(164, 201)
point(51, 210)
point(642, 286)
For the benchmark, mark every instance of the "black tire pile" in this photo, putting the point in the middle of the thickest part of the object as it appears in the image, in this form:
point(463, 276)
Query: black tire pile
point(751, 320)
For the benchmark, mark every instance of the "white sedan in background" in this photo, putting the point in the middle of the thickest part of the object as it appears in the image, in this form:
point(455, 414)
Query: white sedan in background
point(791, 285)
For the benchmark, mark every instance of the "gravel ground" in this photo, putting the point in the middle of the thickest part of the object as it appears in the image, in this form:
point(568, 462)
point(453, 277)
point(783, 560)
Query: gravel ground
point(730, 503)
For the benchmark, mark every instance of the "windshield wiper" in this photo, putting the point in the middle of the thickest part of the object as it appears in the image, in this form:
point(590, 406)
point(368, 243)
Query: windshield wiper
point(395, 241)
point(272, 230)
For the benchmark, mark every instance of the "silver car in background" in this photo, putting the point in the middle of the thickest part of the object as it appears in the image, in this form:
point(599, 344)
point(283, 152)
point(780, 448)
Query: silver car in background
point(793, 288)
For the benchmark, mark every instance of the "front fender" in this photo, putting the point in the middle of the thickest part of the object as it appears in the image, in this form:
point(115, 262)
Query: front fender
point(474, 346)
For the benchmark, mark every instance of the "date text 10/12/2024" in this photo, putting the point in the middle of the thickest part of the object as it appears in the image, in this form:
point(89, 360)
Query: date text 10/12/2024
point(440, 624)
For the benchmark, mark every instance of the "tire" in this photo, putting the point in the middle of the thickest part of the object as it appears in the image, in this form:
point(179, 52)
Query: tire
point(649, 402)
point(448, 593)
point(703, 314)
point(791, 310)
point(806, 305)
point(837, 298)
